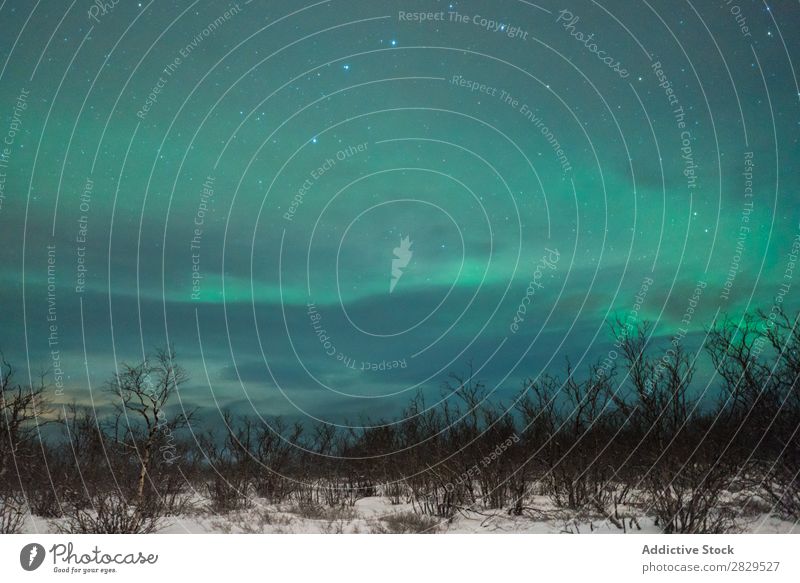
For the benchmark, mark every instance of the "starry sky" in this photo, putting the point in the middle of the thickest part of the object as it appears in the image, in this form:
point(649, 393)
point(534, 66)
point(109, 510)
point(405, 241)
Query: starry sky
point(238, 180)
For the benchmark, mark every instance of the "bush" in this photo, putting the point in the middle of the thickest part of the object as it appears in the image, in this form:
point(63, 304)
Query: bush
point(12, 513)
point(112, 514)
point(406, 523)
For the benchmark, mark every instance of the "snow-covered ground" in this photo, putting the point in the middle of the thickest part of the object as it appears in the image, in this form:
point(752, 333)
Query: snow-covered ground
point(378, 515)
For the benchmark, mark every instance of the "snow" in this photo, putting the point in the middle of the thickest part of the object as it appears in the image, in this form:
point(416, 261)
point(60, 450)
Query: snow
point(378, 515)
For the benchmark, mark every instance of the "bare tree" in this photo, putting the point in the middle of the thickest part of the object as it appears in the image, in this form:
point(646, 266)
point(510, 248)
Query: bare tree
point(142, 424)
point(23, 409)
point(570, 424)
point(758, 359)
point(673, 441)
point(12, 512)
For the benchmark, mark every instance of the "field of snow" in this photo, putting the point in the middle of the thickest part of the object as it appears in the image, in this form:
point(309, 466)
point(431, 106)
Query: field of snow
point(376, 515)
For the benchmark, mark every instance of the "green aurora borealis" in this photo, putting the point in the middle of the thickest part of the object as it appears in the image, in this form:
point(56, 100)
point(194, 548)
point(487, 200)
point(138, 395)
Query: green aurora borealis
point(233, 179)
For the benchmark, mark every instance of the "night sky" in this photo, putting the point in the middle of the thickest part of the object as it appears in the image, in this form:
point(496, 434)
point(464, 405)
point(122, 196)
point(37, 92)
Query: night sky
point(327, 207)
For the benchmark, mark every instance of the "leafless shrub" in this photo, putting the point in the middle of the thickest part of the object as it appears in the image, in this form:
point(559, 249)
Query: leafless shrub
point(255, 521)
point(271, 447)
point(758, 358)
point(611, 504)
point(315, 511)
point(44, 502)
point(396, 492)
point(23, 410)
point(406, 523)
point(228, 481)
point(598, 445)
point(112, 514)
point(682, 471)
point(692, 502)
point(225, 496)
point(304, 491)
point(12, 513)
point(338, 526)
point(780, 487)
point(440, 494)
point(570, 423)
